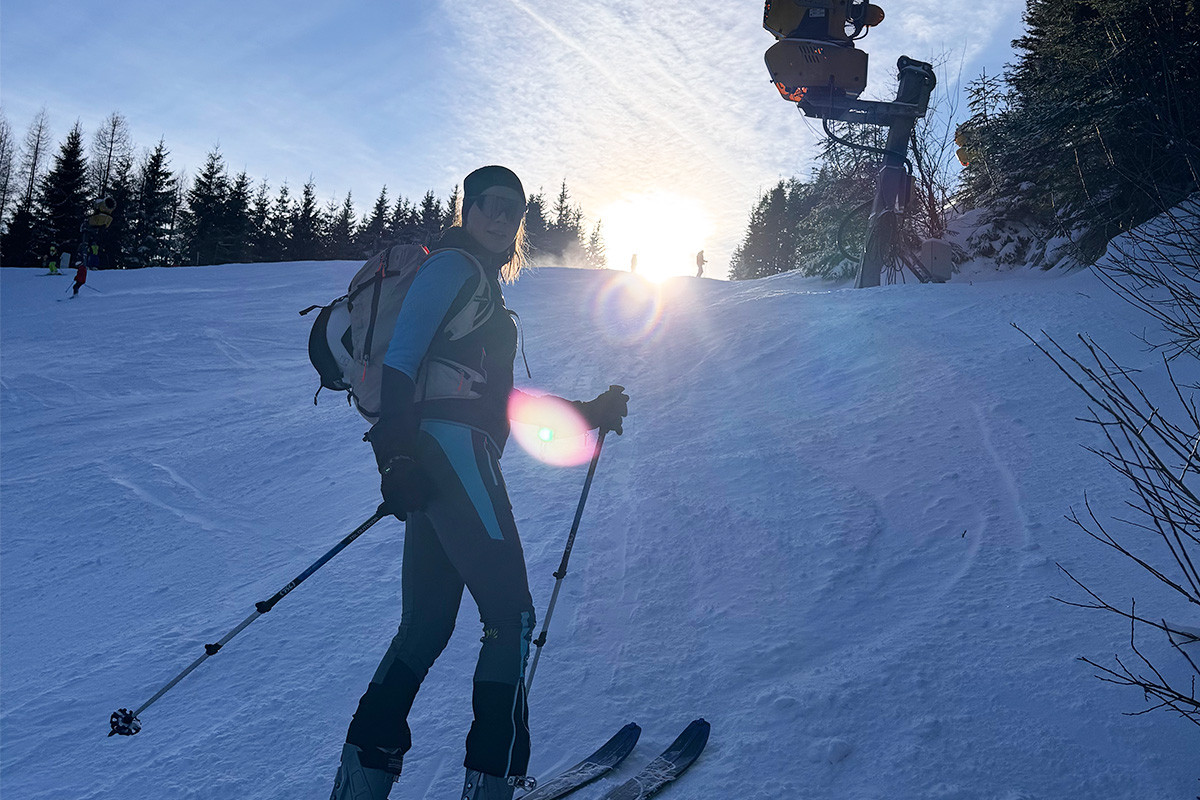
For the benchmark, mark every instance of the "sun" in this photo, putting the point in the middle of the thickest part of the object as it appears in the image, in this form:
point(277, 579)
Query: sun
point(663, 229)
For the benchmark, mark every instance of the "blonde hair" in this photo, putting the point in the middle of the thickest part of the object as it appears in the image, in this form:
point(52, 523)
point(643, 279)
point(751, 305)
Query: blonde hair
point(511, 270)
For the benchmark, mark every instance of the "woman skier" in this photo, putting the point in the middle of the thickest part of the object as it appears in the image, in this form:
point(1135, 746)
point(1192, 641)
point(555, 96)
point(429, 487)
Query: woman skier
point(443, 424)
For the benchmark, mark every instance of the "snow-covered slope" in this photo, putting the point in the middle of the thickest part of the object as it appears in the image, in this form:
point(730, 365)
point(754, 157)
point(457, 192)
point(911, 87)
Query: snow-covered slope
point(830, 528)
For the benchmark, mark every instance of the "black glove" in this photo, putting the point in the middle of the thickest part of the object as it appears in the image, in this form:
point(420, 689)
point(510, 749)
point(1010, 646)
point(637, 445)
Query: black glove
point(405, 487)
point(607, 411)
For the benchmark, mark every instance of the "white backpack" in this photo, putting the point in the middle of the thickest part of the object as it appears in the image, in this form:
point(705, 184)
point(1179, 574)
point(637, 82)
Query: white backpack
point(350, 336)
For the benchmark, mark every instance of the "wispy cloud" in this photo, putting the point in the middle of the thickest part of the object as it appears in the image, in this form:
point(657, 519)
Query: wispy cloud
point(616, 97)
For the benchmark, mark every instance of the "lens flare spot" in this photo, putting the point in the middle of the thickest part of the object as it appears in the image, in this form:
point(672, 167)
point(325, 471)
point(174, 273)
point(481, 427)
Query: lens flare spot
point(628, 310)
point(549, 429)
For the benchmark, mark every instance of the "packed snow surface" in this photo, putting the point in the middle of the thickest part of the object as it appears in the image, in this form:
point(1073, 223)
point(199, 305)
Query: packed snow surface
point(831, 528)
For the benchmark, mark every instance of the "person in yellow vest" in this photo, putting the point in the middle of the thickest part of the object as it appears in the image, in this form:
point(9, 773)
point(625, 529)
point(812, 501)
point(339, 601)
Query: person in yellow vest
point(52, 260)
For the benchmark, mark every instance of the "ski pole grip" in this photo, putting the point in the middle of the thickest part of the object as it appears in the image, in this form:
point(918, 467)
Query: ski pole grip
point(612, 387)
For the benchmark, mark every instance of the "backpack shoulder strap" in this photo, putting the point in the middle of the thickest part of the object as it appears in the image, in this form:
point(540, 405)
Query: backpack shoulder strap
point(478, 308)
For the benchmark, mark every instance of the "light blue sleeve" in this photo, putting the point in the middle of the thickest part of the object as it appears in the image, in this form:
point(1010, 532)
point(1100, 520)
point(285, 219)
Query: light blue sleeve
point(432, 292)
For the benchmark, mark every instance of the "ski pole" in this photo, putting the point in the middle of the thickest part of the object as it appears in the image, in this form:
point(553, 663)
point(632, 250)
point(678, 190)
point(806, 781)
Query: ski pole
point(126, 722)
point(562, 567)
point(93, 288)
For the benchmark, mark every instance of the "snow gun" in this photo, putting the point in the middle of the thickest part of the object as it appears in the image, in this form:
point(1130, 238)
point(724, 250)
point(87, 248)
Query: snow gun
point(815, 65)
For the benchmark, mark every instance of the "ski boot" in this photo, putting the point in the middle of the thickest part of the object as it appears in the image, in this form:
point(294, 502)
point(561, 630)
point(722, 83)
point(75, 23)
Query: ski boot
point(357, 782)
point(481, 786)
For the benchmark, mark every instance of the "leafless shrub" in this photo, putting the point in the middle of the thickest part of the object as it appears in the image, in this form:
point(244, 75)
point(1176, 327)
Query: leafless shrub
point(1155, 447)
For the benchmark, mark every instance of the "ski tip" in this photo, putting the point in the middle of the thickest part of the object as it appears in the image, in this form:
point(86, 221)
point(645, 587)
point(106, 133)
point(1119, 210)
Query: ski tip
point(697, 732)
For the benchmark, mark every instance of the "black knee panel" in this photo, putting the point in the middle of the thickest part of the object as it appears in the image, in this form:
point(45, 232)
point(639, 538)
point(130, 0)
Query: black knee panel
point(381, 719)
point(498, 742)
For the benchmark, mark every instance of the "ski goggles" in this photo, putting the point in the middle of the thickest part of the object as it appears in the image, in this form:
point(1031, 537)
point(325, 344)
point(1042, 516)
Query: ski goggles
point(494, 206)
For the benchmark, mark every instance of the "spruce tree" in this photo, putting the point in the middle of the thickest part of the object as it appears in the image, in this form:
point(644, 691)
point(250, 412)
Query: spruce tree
point(307, 225)
point(116, 241)
point(17, 246)
point(64, 194)
point(339, 243)
point(204, 220)
point(597, 257)
point(1103, 130)
point(260, 212)
point(536, 227)
point(450, 216)
point(153, 209)
point(404, 224)
point(279, 226)
point(239, 221)
point(371, 236)
point(430, 219)
point(564, 234)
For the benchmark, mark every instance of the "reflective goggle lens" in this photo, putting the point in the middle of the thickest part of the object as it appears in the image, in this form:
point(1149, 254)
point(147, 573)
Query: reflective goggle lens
point(494, 207)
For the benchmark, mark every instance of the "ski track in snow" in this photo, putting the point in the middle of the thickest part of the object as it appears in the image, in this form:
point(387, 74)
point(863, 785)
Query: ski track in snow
point(829, 529)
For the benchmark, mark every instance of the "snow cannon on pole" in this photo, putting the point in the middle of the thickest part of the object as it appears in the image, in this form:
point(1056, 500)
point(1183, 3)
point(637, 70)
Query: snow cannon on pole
point(815, 65)
point(98, 218)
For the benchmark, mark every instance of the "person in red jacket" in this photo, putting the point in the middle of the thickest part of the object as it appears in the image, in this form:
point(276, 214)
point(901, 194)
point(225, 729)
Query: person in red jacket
point(80, 277)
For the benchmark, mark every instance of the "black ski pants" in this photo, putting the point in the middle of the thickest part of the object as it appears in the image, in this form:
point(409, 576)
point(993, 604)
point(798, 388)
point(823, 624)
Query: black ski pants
point(465, 537)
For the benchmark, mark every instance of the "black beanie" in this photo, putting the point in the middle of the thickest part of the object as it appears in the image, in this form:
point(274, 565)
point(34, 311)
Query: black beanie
point(485, 178)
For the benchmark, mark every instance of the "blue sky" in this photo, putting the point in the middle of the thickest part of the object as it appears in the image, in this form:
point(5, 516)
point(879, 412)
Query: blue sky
point(647, 110)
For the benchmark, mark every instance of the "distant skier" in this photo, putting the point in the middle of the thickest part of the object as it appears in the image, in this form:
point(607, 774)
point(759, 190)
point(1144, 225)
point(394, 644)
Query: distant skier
point(700, 262)
point(52, 260)
point(438, 444)
point(633, 263)
point(93, 257)
point(80, 276)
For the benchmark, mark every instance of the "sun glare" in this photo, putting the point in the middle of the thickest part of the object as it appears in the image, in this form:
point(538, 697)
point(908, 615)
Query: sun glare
point(663, 230)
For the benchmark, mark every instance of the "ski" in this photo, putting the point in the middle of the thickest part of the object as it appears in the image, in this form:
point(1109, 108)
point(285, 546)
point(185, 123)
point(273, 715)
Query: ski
point(599, 763)
point(667, 767)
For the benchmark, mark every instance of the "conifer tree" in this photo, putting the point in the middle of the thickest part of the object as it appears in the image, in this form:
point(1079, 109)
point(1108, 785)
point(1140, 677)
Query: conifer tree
point(152, 210)
point(536, 227)
point(768, 246)
point(339, 242)
point(239, 221)
point(564, 234)
point(116, 241)
point(597, 258)
point(1102, 129)
point(307, 225)
point(371, 238)
point(450, 216)
point(260, 212)
point(24, 241)
point(64, 194)
point(7, 185)
point(404, 225)
point(279, 226)
point(204, 220)
point(430, 219)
